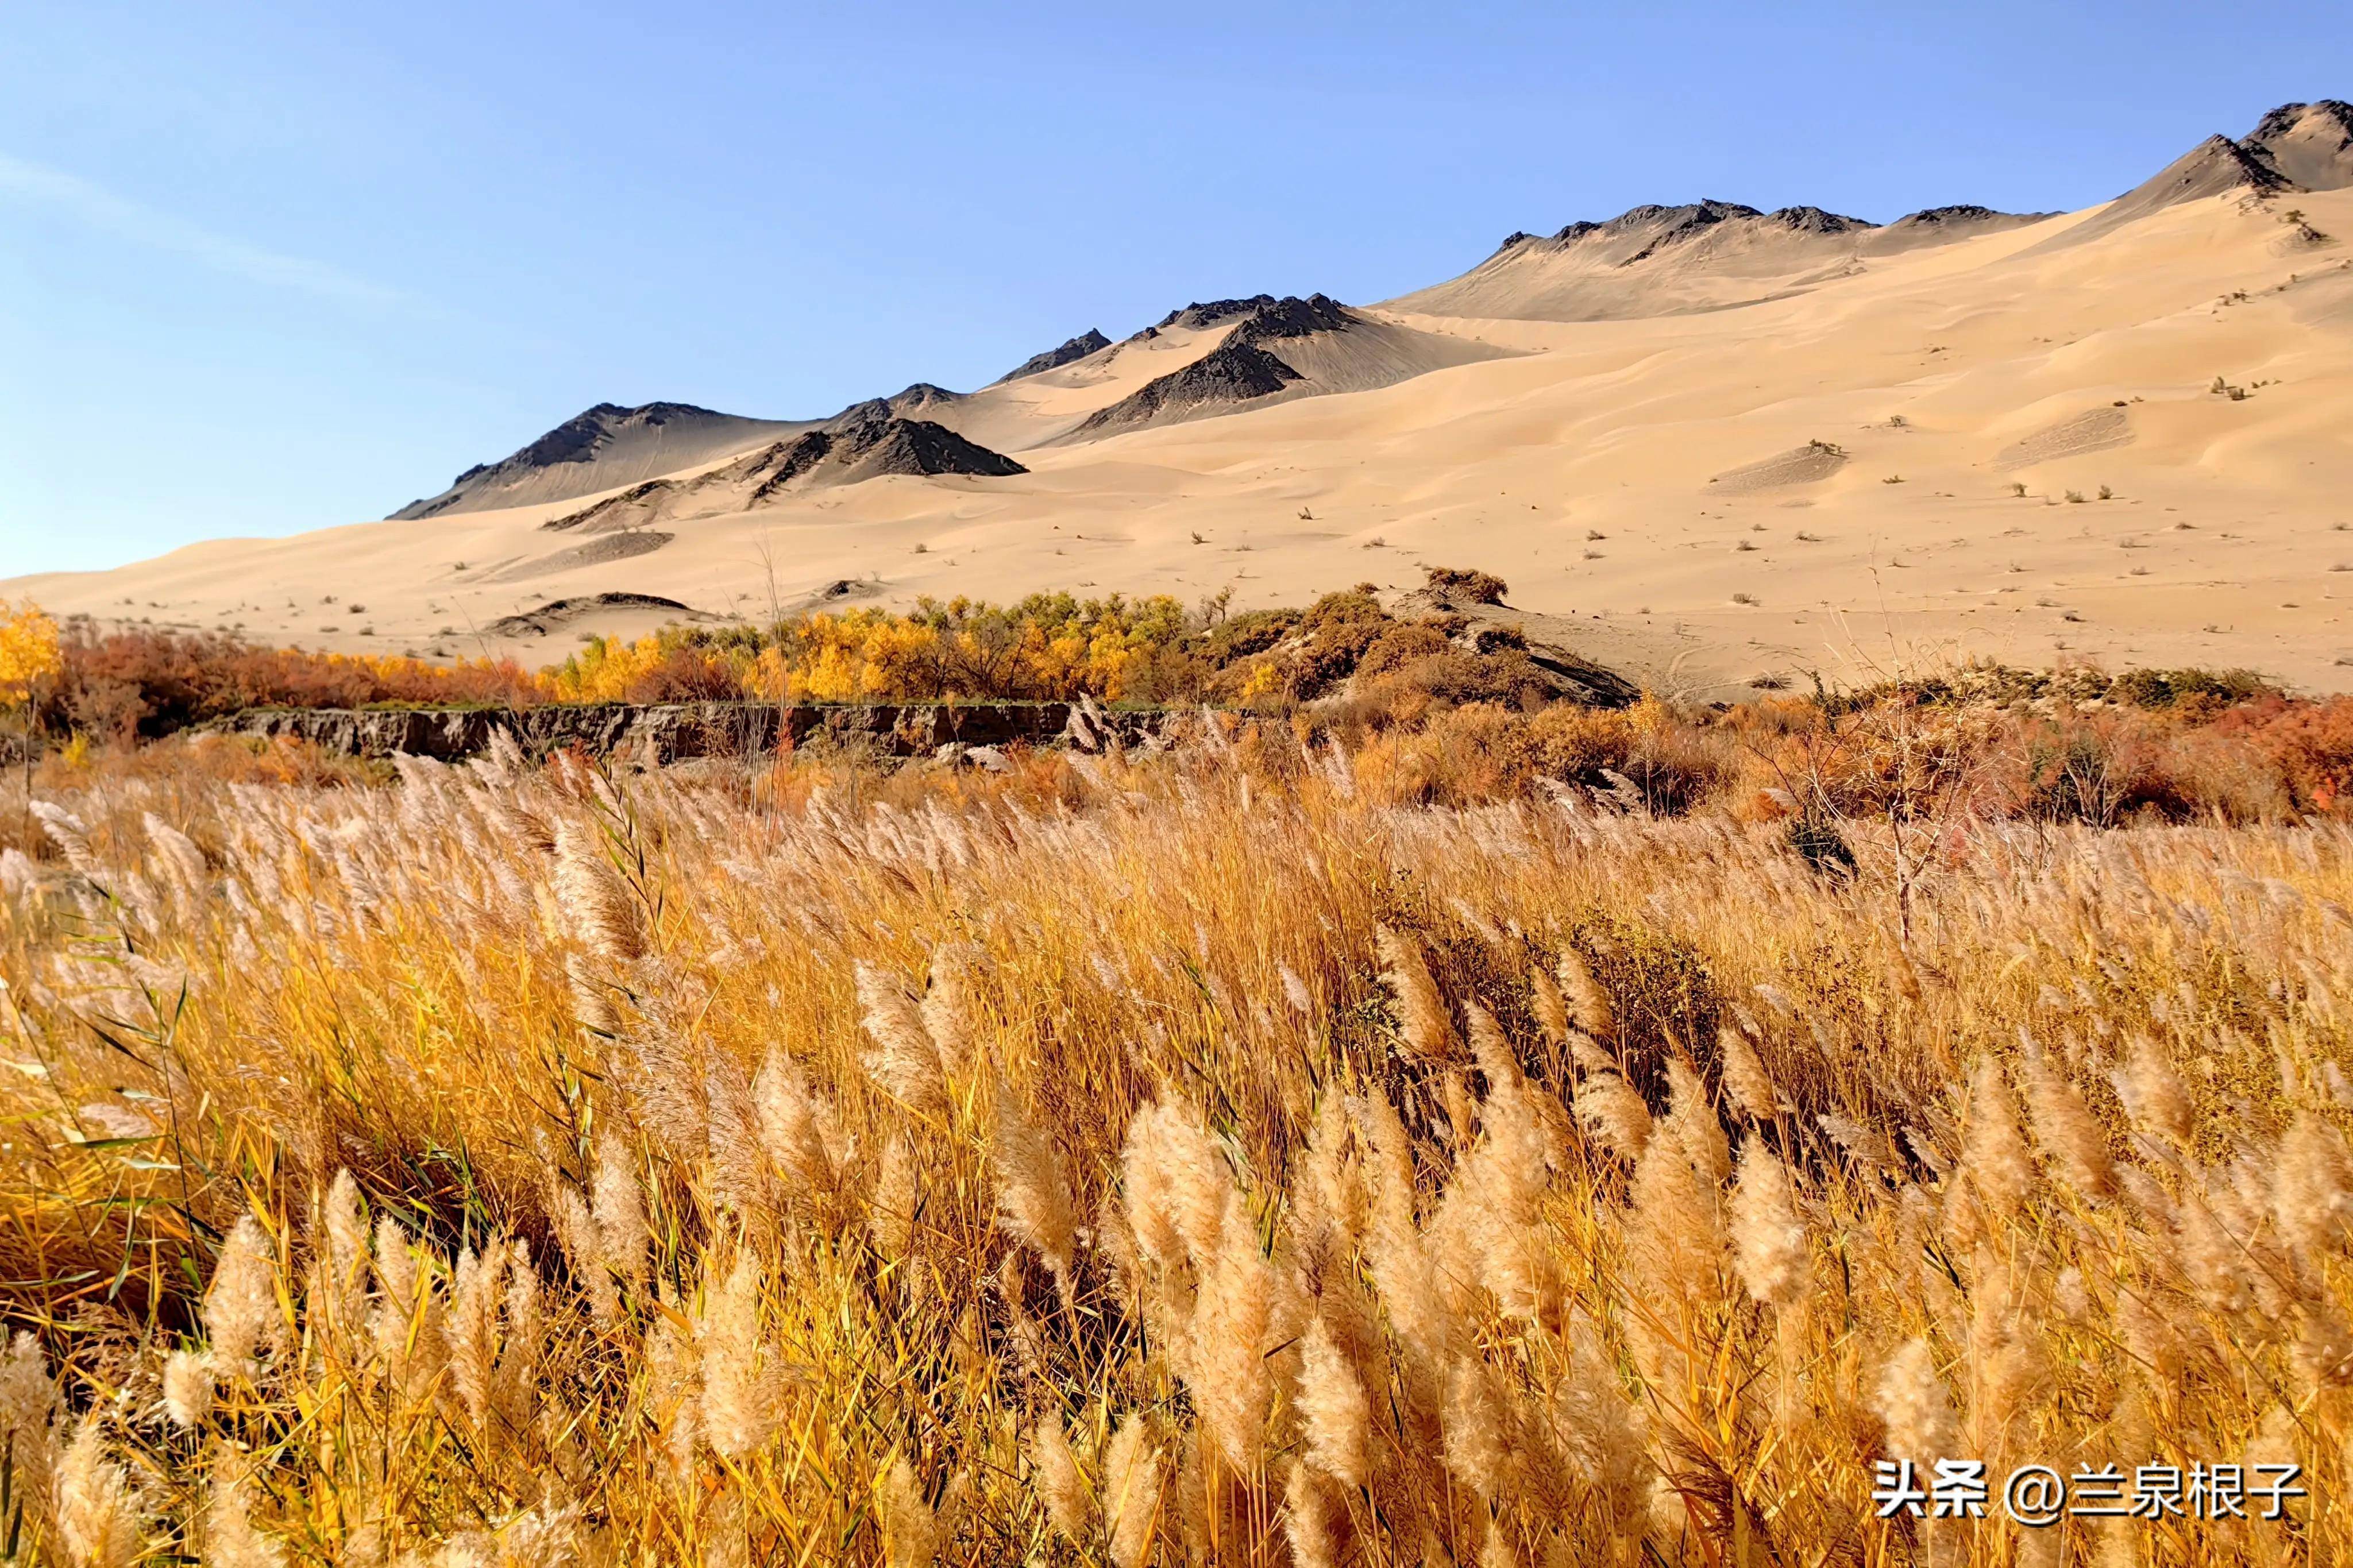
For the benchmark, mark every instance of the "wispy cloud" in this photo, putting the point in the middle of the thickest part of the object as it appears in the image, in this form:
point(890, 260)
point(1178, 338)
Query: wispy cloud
point(101, 209)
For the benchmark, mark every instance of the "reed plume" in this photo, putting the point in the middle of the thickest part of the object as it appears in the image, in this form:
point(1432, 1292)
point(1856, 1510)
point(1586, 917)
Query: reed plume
point(97, 1511)
point(595, 899)
point(905, 1063)
point(1033, 1196)
point(1056, 1472)
point(1423, 1024)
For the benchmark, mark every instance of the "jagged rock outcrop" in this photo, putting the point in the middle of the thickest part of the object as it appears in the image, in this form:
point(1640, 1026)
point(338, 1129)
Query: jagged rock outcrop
point(1231, 373)
point(1293, 318)
point(1210, 312)
point(899, 446)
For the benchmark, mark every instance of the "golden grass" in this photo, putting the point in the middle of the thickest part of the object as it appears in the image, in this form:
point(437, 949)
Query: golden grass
point(1189, 1161)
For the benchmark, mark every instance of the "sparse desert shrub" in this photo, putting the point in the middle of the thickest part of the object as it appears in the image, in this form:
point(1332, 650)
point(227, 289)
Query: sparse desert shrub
point(1577, 745)
point(1452, 677)
point(1453, 756)
point(1674, 763)
point(1400, 646)
point(2200, 693)
point(1251, 632)
point(1477, 587)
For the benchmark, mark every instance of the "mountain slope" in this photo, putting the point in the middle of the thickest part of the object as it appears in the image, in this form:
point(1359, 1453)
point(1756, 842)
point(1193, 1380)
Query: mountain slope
point(2295, 147)
point(1230, 373)
point(847, 451)
point(596, 450)
point(1662, 260)
point(1076, 348)
point(1273, 347)
point(2309, 143)
point(2217, 166)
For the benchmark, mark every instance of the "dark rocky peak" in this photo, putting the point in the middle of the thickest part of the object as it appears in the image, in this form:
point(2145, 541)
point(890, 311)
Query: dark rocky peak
point(874, 410)
point(1233, 372)
point(1667, 225)
point(577, 438)
point(1938, 224)
point(1292, 317)
point(922, 394)
point(1068, 352)
point(2288, 116)
point(1704, 213)
point(1211, 312)
point(920, 446)
point(1673, 226)
point(863, 443)
point(1960, 212)
point(2310, 145)
point(664, 413)
point(570, 460)
point(1814, 220)
point(2219, 163)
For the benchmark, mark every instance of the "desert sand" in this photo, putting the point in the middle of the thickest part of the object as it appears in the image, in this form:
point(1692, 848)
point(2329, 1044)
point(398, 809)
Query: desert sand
point(1716, 448)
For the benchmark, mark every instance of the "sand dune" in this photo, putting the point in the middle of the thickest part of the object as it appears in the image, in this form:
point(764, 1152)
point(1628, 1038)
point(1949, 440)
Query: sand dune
point(1872, 445)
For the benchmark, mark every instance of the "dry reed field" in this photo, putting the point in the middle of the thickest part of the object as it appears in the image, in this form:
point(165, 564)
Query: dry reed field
point(1195, 1158)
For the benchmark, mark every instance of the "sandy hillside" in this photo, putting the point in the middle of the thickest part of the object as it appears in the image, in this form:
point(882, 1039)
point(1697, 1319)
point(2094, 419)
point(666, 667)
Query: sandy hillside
point(1722, 444)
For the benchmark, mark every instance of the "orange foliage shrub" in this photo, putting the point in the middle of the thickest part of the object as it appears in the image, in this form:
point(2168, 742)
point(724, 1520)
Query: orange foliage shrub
point(120, 685)
point(2311, 744)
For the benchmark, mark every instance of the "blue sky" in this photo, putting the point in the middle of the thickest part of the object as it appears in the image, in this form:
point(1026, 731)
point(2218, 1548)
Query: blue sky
point(267, 267)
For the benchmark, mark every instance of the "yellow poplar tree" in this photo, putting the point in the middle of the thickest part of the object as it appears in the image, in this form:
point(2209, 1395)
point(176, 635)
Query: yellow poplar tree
point(29, 655)
point(28, 650)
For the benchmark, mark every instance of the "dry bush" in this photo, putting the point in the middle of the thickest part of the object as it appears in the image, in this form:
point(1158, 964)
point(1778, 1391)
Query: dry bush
point(1456, 584)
